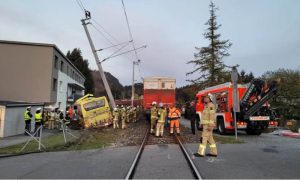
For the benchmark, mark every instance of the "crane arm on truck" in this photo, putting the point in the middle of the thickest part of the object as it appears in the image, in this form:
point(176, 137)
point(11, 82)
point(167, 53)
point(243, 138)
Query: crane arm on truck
point(256, 96)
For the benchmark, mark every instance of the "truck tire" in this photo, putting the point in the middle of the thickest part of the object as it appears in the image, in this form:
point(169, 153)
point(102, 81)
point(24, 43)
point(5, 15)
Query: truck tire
point(253, 132)
point(221, 126)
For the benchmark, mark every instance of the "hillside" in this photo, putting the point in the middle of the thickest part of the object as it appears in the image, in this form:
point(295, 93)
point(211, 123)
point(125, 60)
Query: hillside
point(115, 85)
point(118, 90)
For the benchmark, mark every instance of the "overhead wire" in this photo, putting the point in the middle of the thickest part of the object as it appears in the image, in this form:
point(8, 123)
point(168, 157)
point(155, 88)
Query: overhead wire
point(129, 30)
point(105, 33)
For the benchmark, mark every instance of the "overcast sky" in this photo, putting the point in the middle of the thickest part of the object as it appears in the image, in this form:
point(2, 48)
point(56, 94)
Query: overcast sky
point(265, 34)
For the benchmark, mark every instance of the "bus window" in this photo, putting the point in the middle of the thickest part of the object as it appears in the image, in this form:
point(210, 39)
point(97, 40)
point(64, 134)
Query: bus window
point(94, 105)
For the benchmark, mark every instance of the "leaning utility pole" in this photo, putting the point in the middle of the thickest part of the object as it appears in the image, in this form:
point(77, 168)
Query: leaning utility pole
point(107, 88)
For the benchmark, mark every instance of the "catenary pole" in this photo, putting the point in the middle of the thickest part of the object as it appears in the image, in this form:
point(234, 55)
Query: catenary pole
point(107, 88)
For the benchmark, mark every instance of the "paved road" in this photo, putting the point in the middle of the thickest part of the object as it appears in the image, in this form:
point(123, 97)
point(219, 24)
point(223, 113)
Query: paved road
point(265, 156)
point(261, 157)
point(103, 163)
point(164, 161)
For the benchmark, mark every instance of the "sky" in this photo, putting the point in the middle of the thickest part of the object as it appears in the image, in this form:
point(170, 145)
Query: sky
point(264, 33)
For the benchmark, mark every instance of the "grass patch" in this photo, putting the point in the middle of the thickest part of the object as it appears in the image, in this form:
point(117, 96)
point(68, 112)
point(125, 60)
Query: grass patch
point(228, 139)
point(93, 139)
point(51, 142)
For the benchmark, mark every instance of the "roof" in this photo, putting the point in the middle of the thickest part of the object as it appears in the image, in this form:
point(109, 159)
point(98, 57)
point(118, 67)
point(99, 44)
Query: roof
point(44, 45)
point(159, 77)
point(19, 103)
point(224, 85)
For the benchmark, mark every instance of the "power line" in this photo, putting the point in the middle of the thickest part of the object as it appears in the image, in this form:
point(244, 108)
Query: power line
point(80, 5)
point(102, 34)
point(129, 30)
point(109, 34)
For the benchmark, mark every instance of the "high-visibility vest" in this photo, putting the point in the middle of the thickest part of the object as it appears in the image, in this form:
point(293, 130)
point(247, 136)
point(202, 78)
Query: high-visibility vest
point(208, 115)
point(26, 116)
point(38, 117)
point(174, 113)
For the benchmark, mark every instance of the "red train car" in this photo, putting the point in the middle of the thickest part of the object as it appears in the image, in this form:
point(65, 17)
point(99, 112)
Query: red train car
point(158, 89)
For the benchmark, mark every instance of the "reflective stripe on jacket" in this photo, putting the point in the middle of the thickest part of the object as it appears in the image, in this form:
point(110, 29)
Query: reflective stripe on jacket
point(208, 115)
point(154, 114)
point(174, 114)
point(162, 115)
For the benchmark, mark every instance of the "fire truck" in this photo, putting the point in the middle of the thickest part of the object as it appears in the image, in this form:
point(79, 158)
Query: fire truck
point(255, 113)
point(159, 89)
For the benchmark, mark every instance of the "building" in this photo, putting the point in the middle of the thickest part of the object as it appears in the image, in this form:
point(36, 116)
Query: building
point(12, 117)
point(39, 73)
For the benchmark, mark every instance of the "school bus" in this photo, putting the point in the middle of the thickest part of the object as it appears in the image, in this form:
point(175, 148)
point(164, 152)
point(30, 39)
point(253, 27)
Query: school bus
point(93, 111)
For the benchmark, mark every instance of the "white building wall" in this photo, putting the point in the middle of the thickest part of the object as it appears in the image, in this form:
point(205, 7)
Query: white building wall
point(13, 120)
point(63, 91)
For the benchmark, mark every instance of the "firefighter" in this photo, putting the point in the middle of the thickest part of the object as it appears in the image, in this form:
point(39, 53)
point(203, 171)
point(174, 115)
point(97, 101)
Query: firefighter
point(162, 114)
point(138, 112)
point(27, 119)
point(134, 114)
point(123, 117)
point(38, 121)
point(116, 115)
point(128, 114)
point(174, 116)
point(51, 119)
point(154, 117)
point(208, 121)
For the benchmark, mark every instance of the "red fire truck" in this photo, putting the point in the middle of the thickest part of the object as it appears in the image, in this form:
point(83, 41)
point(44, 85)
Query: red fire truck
point(158, 89)
point(255, 113)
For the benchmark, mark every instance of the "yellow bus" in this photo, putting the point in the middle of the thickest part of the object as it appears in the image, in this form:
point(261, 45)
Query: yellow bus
point(93, 111)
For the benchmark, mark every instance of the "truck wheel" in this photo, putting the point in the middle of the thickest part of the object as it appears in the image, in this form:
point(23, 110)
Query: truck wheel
point(221, 126)
point(253, 132)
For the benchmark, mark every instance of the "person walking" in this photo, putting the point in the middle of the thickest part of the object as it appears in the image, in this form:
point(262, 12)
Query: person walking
point(208, 121)
point(174, 116)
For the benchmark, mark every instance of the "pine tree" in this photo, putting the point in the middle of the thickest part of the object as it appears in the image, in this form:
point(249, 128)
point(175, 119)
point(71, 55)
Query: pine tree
point(83, 66)
point(208, 60)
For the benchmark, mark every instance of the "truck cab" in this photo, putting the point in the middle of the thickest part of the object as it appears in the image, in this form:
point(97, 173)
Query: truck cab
point(253, 121)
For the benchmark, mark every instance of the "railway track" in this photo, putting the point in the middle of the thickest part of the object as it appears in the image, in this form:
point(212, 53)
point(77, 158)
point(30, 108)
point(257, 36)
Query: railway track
point(132, 170)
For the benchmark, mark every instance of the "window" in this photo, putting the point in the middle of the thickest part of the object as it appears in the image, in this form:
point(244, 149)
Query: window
point(54, 84)
point(55, 62)
point(163, 85)
point(222, 101)
point(60, 86)
point(61, 66)
point(73, 75)
point(67, 70)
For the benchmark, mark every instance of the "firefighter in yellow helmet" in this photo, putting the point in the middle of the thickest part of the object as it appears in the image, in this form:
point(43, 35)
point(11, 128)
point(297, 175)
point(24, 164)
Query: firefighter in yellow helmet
point(162, 114)
point(154, 116)
point(123, 116)
point(116, 115)
point(208, 121)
